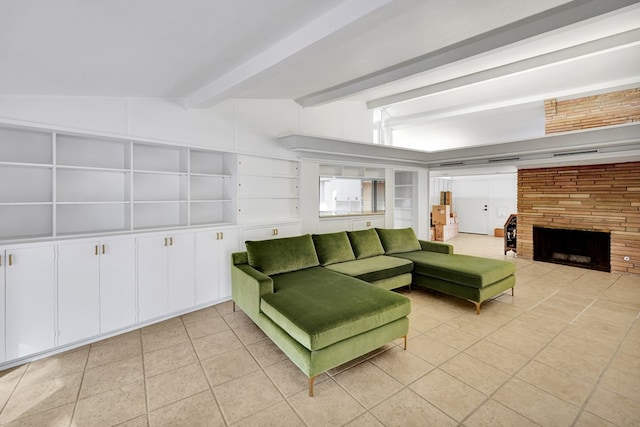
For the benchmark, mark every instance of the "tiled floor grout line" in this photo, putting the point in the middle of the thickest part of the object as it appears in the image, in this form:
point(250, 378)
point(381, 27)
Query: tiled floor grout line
point(84, 371)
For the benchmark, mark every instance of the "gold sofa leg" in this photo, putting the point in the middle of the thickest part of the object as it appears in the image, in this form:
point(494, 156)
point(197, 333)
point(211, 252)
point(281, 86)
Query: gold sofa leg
point(311, 380)
point(405, 342)
point(234, 306)
point(512, 291)
point(477, 307)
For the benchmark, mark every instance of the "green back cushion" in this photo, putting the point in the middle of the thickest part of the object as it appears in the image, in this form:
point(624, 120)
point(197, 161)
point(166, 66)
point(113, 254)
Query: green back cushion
point(365, 243)
point(277, 256)
point(333, 248)
point(398, 240)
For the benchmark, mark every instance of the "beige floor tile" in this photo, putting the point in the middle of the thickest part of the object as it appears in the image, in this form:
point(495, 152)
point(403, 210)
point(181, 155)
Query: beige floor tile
point(479, 375)
point(365, 420)
point(215, 344)
point(280, 415)
point(140, 421)
point(31, 399)
point(266, 352)
point(114, 375)
point(289, 379)
point(56, 366)
point(566, 387)
point(552, 311)
point(173, 323)
point(454, 337)
point(246, 396)
point(162, 338)
point(202, 328)
point(587, 419)
point(175, 385)
point(56, 417)
point(566, 362)
point(406, 408)
point(431, 350)
point(237, 318)
point(402, 365)
point(494, 414)
point(626, 384)
point(229, 366)
point(595, 350)
point(114, 349)
point(225, 308)
point(614, 408)
point(203, 314)
point(499, 357)
point(368, 384)
point(516, 341)
point(450, 395)
point(111, 408)
point(626, 362)
point(535, 404)
point(330, 405)
point(250, 334)
point(168, 359)
point(9, 378)
point(542, 328)
point(422, 321)
point(199, 410)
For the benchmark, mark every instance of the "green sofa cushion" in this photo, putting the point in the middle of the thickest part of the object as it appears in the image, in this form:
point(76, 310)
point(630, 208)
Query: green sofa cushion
point(398, 240)
point(465, 270)
point(333, 247)
point(319, 307)
point(374, 268)
point(277, 256)
point(365, 243)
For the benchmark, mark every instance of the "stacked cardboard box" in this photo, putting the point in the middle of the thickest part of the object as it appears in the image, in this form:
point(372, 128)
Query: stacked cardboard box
point(444, 221)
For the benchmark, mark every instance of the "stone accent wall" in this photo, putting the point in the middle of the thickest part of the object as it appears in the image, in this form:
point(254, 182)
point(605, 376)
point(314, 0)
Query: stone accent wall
point(594, 197)
point(592, 111)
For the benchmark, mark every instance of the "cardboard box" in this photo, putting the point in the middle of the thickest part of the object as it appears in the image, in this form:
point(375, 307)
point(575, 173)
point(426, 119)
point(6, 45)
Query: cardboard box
point(498, 232)
point(440, 214)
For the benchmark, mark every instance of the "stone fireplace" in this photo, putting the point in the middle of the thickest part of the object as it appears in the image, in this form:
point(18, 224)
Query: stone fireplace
point(596, 198)
point(578, 248)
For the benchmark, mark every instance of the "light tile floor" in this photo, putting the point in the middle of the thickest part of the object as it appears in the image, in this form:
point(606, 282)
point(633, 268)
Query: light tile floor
point(563, 351)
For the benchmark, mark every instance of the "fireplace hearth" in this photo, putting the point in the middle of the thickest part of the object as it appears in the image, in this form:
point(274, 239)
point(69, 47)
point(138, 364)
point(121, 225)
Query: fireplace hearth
point(579, 248)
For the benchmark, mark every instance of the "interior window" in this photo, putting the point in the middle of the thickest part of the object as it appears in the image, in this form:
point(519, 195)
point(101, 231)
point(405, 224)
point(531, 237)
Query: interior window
point(351, 196)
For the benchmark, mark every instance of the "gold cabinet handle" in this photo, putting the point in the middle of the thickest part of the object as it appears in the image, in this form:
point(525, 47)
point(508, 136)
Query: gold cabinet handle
point(166, 241)
point(221, 235)
point(104, 250)
point(10, 260)
point(0, 260)
point(170, 241)
point(96, 250)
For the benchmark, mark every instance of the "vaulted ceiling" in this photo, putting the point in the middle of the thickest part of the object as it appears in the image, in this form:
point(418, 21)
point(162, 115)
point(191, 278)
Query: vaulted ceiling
point(447, 74)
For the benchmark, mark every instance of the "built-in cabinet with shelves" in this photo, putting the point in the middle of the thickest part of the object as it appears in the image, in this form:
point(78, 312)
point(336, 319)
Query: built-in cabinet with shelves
point(102, 234)
point(267, 188)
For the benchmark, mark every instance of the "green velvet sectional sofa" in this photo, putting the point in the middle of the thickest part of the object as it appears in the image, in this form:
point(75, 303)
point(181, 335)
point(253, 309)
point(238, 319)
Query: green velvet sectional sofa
point(325, 299)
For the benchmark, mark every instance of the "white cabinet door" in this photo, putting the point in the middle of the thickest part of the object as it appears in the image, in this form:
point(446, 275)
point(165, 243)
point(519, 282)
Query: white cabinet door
point(180, 271)
point(272, 232)
point(117, 284)
point(213, 264)
point(2, 305)
point(78, 291)
point(152, 277)
point(30, 303)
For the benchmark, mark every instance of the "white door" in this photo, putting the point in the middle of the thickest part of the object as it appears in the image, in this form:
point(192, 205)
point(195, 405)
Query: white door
point(471, 203)
point(117, 284)
point(208, 248)
point(152, 277)
point(181, 265)
point(30, 303)
point(2, 305)
point(78, 291)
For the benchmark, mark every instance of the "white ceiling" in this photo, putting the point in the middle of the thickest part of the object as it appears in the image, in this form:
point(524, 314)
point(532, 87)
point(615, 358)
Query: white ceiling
point(449, 73)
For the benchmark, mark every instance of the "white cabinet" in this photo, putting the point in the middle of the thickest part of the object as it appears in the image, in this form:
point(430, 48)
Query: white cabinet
point(29, 279)
point(96, 288)
point(211, 188)
point(2, 306)
point(271, 232)
point(165, 274)
point(213, 264)
point(404, 198)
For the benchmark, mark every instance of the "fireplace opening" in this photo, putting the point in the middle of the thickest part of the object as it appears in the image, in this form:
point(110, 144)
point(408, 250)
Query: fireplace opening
point(579, 248)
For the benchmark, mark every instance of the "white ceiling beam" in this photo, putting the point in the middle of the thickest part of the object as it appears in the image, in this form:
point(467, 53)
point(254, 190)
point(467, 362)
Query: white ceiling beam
point(595, 47)
point(234, 81)
point(549, 20)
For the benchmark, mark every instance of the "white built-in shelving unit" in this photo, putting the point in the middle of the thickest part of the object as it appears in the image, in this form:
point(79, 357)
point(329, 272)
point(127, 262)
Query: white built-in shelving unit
point(404, 197)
